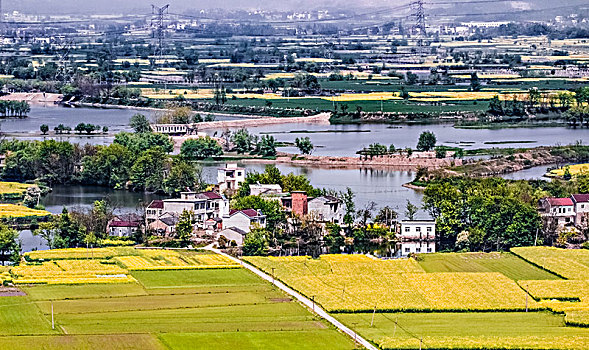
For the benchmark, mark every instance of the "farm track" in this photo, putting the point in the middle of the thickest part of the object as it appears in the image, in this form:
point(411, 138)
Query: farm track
point(303, 300)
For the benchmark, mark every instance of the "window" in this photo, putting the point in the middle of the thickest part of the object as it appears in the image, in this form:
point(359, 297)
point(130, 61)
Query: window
point(407, 229)
point(429, 229)
point(429, 250)
point(407, 250)
point(418, 229)
point(418, 250)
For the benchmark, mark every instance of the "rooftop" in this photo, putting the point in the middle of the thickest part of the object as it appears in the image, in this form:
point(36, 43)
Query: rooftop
point(581, 198)
point(559, 201)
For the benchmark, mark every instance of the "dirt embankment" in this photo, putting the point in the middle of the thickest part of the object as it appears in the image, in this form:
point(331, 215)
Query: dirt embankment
point(322, 118)
point(33, 97)
point(520, 161)
point(396, 162)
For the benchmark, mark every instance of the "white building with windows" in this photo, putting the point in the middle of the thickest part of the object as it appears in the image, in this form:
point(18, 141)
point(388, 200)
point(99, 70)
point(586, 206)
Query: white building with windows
point(230, 177)
point(203, 205)
point(417, 237)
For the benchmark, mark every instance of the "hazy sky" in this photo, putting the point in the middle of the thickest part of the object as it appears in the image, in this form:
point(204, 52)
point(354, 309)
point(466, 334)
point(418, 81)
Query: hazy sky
point(117, 6)
point(144, 6)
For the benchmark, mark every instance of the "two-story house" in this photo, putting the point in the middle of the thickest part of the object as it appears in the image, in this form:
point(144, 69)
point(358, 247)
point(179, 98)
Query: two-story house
point(581, 203)
point(417, 237)
point(203, 205)
point(327, 209)
point(230, 177)
point(561, 209)
point(244, 220)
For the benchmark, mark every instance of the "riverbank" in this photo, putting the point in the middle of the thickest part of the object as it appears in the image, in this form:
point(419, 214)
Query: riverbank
point(33, 97)
point(391, 162)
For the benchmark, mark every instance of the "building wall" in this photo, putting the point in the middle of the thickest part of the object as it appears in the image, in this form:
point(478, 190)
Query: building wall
point(326, 212)
point(232, 236)
point(417, 231)
point(299, 203)
point(239, 220)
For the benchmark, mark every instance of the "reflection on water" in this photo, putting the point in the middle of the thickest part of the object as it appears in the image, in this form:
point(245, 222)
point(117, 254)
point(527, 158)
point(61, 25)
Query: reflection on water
point(383, 187)
point(402, 136)
point(83, 197)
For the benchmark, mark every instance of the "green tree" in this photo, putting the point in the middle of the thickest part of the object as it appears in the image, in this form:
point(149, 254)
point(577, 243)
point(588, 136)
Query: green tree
point(304, 145)
point(200, 148)
point(9, 244)
point(44, 129)
point(183, 176)
point(475, 82)
point(147, 173)
point(141, 142)
point(243, 141)
point(184, 228)
point(140, 123)
point(495, 106)
point(441, 152)
point(427, 141)
point(109, 166)
point(410, 210)
point(267, 146)
point(256, 243)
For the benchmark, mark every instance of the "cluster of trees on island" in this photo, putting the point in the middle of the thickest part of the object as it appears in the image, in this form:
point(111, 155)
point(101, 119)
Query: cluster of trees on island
point(80, 128)
point(18, 109)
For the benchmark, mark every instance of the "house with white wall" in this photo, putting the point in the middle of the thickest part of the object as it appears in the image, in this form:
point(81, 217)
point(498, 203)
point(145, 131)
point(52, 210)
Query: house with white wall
point(230, 177)
point(417, 236)
point(244, 220)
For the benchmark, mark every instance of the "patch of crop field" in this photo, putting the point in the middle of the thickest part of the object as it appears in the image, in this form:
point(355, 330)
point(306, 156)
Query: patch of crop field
point(158, 302)
point(271, 316)
point(205, 280)
point(197, 302)
point(67, 342)
point(505, 263)
point(568, 263)
point(505, 330)
point(574, 169)
point(13, 190)
point(314, 339)
point(175, 260)
point(356, 283)
point(578, 318)
point(20, 316)
point(560, 290)
point(83, 291)
point(20, 211)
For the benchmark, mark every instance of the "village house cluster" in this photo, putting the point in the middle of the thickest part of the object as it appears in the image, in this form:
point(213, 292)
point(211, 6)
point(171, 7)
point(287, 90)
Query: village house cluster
point(572, 211)
point(213, 215)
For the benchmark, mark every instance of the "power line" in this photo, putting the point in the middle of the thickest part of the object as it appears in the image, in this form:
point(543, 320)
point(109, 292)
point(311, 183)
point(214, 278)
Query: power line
point(158, 20)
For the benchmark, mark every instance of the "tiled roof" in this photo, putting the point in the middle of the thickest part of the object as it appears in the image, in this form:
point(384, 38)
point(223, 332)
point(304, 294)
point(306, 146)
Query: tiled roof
point(252, 213)
point(212, 195)
point(156, 204)
point(559, 201)
point(119, 223)
point(581, 198)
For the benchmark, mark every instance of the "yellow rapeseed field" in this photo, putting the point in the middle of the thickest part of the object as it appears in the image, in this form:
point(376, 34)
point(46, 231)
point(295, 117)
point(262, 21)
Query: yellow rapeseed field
point(574, 169)
point(344, 283)
point(568, 263)
point(20, 211)
point(174, 260)
point(14, 188)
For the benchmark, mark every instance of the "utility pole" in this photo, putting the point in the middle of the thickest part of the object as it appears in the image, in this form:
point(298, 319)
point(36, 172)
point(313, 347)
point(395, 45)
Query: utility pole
point(419, 14)
point(158, 23)
point(373, 313)
point(52, 319)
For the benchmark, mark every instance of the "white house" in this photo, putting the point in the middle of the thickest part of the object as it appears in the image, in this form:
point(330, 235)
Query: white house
point(326, 209)
point(244, 219)
point(417, 237)
point(122, 228)
point(233, 234)
point(581, 202)
point(561, 209)
point(203, 205)
point(230, 177)
point(265, 189)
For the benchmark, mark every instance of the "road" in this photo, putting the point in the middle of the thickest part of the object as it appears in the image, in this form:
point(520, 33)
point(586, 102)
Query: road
point(303, 300)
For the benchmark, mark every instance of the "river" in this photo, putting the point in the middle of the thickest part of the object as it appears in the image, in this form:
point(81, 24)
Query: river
point(345, 140)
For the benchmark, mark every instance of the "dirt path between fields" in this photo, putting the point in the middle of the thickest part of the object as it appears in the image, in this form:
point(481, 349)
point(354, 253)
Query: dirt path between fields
point(303, 300)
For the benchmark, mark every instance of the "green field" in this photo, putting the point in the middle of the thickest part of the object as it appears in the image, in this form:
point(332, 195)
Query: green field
point(506, 330)
point(505, 263)
point(167, 309)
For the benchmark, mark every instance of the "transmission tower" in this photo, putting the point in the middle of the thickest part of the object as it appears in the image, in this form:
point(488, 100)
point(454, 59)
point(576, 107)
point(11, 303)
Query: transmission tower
point(157, 22)
point(419, 15)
